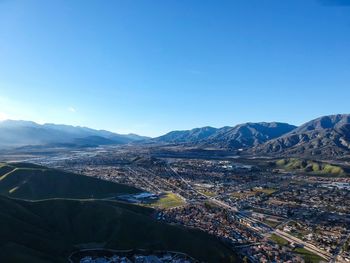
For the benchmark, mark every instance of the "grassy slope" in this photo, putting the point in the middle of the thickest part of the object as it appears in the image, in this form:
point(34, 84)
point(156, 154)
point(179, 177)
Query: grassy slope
point(35, 182)
point(308, 166)
point(46, 231)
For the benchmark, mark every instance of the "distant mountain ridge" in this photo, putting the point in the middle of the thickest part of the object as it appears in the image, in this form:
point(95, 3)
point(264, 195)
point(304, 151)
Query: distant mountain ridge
point(240, 136)
point(187, 136)
point(324, 136)
point(327, 136)
point(248, 134)
point(15, 133)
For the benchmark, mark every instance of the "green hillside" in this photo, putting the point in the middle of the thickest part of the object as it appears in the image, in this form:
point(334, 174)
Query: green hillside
point(49, 230)
point(45, 214)
point(27, 181)
point(309, 166)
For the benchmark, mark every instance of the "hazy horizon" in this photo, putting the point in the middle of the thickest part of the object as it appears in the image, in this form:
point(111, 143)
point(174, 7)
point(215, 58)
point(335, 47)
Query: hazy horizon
point(190, 128)
point(149, 67)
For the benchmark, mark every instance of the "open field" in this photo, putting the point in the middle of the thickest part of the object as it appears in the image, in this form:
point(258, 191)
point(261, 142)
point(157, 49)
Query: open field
point(271, 223)
point(207, 193)
point(252, 192)
point(166, 201)
point(308, 256)
point(279, 240)
point(267, 191)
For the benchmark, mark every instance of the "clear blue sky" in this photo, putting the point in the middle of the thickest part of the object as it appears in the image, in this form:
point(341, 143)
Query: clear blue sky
point(148, 66)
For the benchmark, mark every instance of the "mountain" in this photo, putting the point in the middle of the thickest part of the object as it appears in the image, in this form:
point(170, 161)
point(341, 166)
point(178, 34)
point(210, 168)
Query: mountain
point(327, 136)
point(49, 230)
point(34, 182)
point(247, 135)
point(240, 136)
point(187, 136)
point(132, 136)
point(23, 133)
point(93, 141)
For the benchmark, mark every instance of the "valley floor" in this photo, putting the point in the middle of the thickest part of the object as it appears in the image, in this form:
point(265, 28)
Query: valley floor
point(264, 214)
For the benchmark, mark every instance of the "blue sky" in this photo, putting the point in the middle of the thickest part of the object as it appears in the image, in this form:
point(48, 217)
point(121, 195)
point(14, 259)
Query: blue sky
point(148, 66)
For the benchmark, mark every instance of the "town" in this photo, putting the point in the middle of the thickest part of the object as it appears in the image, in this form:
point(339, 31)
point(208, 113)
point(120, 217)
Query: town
point(266, 215)
point(128, 256)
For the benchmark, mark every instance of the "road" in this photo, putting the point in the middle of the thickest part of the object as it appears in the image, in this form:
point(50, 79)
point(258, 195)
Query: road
point(324, 254)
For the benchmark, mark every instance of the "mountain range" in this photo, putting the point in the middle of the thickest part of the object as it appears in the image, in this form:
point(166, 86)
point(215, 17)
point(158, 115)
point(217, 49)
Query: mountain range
point(327, 136)
point(324, 136)
point(239, 136)
point(15, 133)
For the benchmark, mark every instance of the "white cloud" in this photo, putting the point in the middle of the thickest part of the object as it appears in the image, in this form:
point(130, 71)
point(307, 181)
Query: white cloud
point(72, 109)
